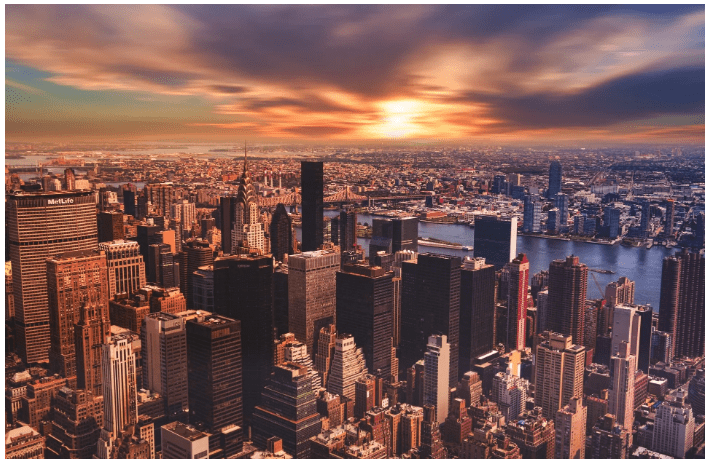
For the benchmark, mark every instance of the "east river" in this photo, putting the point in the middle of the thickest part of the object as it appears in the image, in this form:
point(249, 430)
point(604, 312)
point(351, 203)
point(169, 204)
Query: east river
point(641, 265)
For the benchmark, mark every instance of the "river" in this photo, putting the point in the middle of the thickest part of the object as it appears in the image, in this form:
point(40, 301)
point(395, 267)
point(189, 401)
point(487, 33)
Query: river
point(641, 265)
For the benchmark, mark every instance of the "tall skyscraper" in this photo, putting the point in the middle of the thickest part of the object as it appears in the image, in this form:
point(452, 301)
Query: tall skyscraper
point(669, 218)
point(563, 203)
point(215, 381)
point(436, 381)
point(570, 430)
point(401, 233)
point(129, 194)
point(68, 223)
point(347, 230)
point(532, 210)
point(119, 393)
point(495, 239)
point(243, 290)
point(626, 327)
point(197, 253)
point(312, 294)
point(674, 429)
point(110, 226)
point(567, 295)
point(227, 209)
point(288, 411)
point(281, 243)
point(643, 360)
point(476, 311)
point(559, 372)
point(623, 373)
point(519, 279)
point(312, 205)
point(347, 366)
point(248, 231)
point(74, 279)
point(126, 267)
point(682, 302)
point(326, 348)
point(510, 392)
point(161, 196)
point(430, 305)
point(90, 332)
point(364, 309)
point(164, 365)
point(555, 183)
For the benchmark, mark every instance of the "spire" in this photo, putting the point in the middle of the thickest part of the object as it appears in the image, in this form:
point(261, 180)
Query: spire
point(245, 156)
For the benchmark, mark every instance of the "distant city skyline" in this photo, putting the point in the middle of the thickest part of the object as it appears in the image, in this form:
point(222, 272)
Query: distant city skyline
point(501, 74)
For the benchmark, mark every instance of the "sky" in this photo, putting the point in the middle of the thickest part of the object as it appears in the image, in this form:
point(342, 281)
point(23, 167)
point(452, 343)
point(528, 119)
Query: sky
point(347, 73)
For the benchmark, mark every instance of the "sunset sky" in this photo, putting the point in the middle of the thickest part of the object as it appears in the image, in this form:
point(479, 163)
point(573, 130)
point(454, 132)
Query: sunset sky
point(353, 73)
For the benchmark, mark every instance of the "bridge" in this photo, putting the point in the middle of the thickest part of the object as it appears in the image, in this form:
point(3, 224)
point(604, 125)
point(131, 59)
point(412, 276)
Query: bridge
point(343, 196)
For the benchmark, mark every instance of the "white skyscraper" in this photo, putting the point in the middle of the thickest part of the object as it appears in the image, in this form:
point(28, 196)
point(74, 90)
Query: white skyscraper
point(436, 380)
point(623, 372)
point(347, 366)
point(119, 392)
point(510, 393)
point(626, 327)
point(674, 428)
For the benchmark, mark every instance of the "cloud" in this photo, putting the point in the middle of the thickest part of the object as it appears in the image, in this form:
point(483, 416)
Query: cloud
point(23, 87)
point(298, 70)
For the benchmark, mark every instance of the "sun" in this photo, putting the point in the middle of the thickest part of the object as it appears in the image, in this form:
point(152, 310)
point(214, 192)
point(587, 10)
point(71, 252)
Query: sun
point(398, 118)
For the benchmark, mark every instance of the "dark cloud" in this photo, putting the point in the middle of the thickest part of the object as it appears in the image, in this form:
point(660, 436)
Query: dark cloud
point(319, 131)
point(228, 89)
point(159, 77)
point(631, 97)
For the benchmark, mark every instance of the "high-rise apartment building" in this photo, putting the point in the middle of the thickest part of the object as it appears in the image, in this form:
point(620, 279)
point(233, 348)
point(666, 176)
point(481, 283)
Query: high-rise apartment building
point(243, 290)
point(674, 428)
point(288, 410)
point(570, 430)
point(364, 309)
point(661, 347)
point(430, 305)
point(164, 361)
point(119, 393)
point(184, 212)
point(567, 296)
point(609, 440)
point(519, 279)
point(41, 225)
point(555, 179)
point(77, 418)
point(347, 366)
point(126, 267)
point(281, 242)
point(436, 383)
point(623, 373)
point(110, 226)
point(533, 433)
point(161, 196)
point(74, 279)
point(312, 181)
point(559, 372)
point(476, 311)
point(511, 393)
point(312, 293)
point(215, 381)
point(495, 239)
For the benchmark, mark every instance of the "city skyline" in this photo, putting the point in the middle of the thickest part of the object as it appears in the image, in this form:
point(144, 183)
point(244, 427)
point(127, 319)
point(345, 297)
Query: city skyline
point(506, 74)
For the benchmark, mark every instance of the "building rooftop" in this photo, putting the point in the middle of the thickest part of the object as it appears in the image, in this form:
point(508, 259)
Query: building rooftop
point(185, 430)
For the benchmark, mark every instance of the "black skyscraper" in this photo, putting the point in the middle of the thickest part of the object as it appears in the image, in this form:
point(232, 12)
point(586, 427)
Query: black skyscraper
point(476, 312)
point(364, 309)
point(281, 233)
point(110, 226)
point(347, 230)
point(215, 381)
point(129, 193)
point(644, 345)
point(197, 253)
point(312, 205)
point(430, 305)
point(243, 289)
point(401, 233)
point(281, 301)
point(146, 236)
point(555, 180)
point(227, 220)
point(495, 240)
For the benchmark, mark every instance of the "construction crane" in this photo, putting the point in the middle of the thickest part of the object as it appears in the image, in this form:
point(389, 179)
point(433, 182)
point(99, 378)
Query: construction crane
point(596, 282)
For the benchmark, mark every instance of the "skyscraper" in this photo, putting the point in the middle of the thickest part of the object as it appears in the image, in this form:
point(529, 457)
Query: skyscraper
point(129, 194)
point(248, 231)
point(126, 267)
point(436, 381)
point(227, 205)
point(110, 226)
point(215, 381)
point(76, 424)
point(364, 308)
point(312, 205)
point(517, 302)
point(243, 290)
point(347, 366)
point(161, 196)
point(623, 373)
point(400, 232)
point(567, 295)
point(74, 279)
point(534, 434)
point(626, 327)
point(68, 222)
point(510, 392)
point(669, 218)
point(495, 239)
point(119, 393)
point(281, 243)
point(674, 429)
point(559, 372)
point(682, 302)
point(347, 230)
point(562, 201)
point(312, 294)
point(288, 411)
point(197, 253)
point(164, 365)
point(643, 360)
point(555, 182)
point(430, 305)
point(570, 430)
point(532, 209)
point(90, 332)
point(476, 311)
